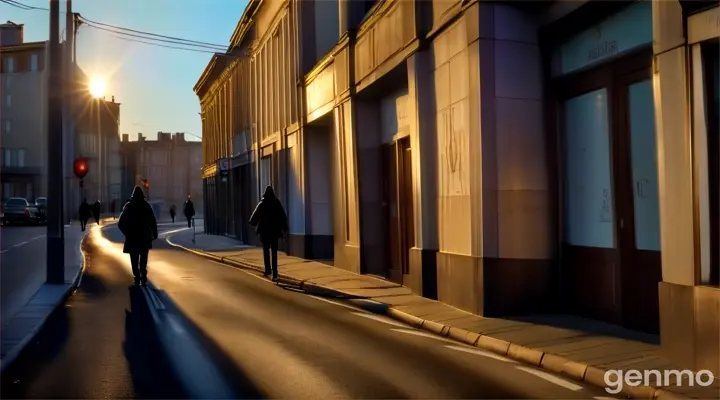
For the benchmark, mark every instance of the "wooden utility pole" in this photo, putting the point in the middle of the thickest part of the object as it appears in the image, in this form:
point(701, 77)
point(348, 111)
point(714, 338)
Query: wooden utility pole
point(55, 261)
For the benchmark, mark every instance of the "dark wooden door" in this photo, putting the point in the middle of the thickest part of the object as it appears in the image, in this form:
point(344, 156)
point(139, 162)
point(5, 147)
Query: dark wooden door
point(637, 199)
point(392, 213)
point(407, 223)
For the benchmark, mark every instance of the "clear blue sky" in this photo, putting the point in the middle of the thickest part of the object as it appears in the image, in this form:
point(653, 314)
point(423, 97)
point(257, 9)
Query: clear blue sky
point(154, 84)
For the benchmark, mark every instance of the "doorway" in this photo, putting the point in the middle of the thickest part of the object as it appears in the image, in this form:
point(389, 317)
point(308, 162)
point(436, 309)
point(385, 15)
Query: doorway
point(611, 218)
point(398, 207)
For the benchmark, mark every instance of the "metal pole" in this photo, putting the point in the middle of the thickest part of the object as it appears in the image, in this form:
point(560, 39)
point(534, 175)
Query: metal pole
point(55, 261)
point(69, 120)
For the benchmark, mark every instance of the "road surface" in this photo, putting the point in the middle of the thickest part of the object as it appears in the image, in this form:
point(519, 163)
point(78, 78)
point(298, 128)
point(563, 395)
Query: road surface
point(22, 266)
point(265, 341)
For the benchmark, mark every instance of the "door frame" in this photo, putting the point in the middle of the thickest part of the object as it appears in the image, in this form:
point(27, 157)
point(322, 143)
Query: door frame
point(581, 279)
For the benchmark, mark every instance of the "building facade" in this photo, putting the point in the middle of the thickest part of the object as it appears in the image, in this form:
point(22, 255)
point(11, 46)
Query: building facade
point(504, 158)
point(172, 166)
point(23, 89)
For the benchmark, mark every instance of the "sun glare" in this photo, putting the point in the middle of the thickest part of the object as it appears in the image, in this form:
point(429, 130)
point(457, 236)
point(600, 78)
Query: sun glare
point(97, 87)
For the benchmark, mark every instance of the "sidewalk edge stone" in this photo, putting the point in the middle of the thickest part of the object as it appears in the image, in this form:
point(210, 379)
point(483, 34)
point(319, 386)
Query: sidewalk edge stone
point(12, 355)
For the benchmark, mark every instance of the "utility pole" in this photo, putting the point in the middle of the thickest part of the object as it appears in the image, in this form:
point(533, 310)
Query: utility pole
point(69, 110)
point(55, 261)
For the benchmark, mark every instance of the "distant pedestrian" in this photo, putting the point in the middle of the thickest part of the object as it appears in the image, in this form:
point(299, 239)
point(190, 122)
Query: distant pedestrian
point(172, 213)
point(137, 222)
point(84, 213)
point(96, 211)
point(112, 208)
point(270, 222)
point(189, 211)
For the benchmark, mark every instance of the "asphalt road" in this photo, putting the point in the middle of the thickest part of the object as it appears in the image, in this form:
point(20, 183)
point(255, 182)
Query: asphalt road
point(22, 266)
point(230, 333)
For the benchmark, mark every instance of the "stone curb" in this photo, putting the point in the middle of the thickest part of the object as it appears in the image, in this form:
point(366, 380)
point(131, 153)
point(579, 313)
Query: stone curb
point(533, 357)
point(12, 355)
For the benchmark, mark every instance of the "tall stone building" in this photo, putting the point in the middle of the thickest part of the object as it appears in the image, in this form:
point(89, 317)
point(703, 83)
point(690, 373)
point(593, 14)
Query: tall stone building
point(501, 157)
point(172, 166)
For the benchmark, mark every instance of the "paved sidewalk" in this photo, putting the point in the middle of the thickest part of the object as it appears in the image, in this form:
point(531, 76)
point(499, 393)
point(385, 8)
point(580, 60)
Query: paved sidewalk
point(575, 347)
point(20, 329)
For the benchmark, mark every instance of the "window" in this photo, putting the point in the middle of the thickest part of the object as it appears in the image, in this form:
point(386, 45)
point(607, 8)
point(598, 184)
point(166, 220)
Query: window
point(7, 158)
point(9, 64)
point(8, 100)
point(711, 75)
point(20, 161)
point(7, 126)
point(34, 62)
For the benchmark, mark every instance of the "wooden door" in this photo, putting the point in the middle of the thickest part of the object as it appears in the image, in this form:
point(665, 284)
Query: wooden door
point(637, 197)
point(392, 213)
point(407, 223)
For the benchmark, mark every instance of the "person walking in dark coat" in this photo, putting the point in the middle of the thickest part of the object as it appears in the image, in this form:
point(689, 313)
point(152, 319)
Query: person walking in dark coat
point(96, 211)
point(137, 222)
point(270, 222)
point(189, 211)
point(84, 214)
point(172, 213)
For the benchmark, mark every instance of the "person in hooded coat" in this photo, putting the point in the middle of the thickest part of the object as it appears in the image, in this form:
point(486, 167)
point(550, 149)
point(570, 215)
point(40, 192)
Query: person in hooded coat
point(270, 222)
point(84, 214)
point(137, 222)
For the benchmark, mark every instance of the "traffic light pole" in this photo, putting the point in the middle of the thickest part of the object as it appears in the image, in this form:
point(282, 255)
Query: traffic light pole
point(55, 252)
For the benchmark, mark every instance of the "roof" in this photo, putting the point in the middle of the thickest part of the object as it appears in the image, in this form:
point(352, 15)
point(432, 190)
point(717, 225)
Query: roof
point(219, 61)
point(212, 70)
point(23, 47)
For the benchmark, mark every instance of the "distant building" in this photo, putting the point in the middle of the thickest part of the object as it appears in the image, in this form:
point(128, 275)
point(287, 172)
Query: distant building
point(98, 141)
point(171, 164)
point(23, 91)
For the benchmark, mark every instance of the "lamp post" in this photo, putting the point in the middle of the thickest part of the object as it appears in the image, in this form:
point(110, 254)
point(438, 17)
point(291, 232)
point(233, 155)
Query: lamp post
point(55, 250)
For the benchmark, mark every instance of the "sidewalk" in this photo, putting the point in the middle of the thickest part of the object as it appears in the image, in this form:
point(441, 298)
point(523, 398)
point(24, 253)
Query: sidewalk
point(20, 329)
point(578, 348)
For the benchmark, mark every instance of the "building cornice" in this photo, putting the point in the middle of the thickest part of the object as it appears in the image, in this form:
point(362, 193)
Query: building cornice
point(23, 47)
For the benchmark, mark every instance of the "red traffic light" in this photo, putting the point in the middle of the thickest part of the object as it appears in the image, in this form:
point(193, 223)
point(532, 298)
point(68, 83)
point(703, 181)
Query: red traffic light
point(147, 185)
point(80, 167)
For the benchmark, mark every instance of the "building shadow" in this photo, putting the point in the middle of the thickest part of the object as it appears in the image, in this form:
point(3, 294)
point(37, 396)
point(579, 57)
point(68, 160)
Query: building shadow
point(586, 326)
point(147, 356)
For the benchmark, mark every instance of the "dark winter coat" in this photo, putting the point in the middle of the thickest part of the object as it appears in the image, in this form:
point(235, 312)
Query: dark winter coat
point(137, 222)
point(189, 209)
point(269, 218)
point(84, 211)
point(96, 209)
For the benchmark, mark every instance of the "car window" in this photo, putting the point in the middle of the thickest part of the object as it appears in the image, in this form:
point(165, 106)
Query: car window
point(41, 201)
point(16, 202)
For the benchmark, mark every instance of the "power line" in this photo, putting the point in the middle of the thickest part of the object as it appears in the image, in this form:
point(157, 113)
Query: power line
point(213, 47)
point(163, 45)
point(151, 34)
point(22, 6)
point(141, 34)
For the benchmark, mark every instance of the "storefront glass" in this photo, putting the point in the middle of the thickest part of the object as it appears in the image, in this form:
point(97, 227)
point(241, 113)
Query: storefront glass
point(711, 74)
point(644, 166)
point(588, 184)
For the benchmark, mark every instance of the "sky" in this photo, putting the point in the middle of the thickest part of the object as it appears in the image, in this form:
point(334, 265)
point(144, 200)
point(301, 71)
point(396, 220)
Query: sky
point(153, 84)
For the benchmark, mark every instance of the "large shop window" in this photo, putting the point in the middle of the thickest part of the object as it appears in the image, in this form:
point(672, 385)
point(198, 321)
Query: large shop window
point(711, 70)
point(588, 185)
point(265, 172)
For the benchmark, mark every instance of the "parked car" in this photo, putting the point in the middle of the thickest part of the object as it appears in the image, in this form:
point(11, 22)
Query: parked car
point(41, 204)
point(19, 210)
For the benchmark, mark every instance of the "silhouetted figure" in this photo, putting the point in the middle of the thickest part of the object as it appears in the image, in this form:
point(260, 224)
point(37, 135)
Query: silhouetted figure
point(189, 211)
point(137, 223)
point(270, 222)
point(96, 211)
point(112, 208)
point(172, 213)
point(84, 214)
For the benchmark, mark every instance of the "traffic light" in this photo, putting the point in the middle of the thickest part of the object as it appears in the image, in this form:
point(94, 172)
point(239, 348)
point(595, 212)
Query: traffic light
point(146, 183)
point(80, 167)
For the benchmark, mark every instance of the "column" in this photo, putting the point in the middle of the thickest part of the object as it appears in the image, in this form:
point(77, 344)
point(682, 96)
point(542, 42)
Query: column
point(422, 277)
point(689, 331)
